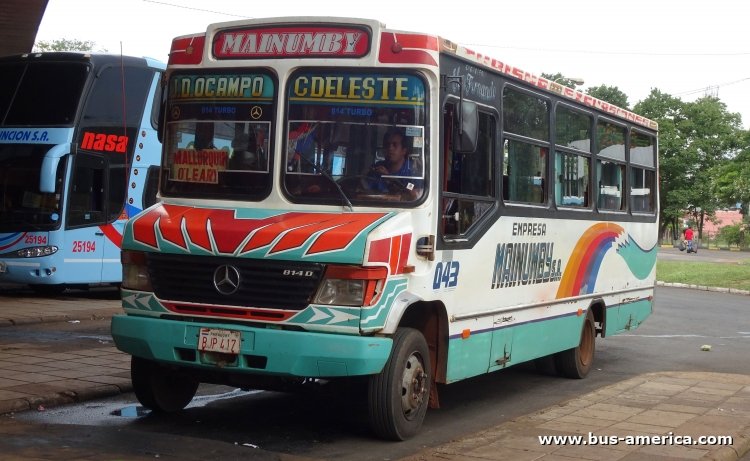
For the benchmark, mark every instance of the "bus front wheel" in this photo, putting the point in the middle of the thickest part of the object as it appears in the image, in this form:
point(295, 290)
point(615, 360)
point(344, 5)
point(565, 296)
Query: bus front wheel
point(159, 388)
point(398, 396)
point(577, 362)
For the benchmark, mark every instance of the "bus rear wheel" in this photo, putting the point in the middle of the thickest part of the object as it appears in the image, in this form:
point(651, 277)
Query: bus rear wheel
point(398, 396)
point(577, 362)
point(160, 388)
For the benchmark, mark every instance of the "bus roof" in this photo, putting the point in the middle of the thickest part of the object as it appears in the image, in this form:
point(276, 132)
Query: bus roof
point(97, 59)
point(393, 47)
point(446, 46)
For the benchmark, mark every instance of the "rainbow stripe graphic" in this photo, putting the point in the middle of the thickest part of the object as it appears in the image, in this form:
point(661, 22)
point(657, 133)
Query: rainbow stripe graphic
point(583, 266)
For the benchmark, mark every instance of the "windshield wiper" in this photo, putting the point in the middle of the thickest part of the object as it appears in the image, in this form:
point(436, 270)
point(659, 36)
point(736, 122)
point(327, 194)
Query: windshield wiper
point(328, 176)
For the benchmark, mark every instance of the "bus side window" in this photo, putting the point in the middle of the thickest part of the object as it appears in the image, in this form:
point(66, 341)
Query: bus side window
point(468, 178)
point(525, 147)
point(86, 206)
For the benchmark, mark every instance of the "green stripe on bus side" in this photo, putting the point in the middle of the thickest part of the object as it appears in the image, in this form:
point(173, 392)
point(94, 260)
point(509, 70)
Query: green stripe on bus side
point(627, 316)
point(480, 352)
point(374, 317)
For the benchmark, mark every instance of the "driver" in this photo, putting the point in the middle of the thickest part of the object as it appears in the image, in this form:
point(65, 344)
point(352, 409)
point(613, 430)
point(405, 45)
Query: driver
point(396, 163)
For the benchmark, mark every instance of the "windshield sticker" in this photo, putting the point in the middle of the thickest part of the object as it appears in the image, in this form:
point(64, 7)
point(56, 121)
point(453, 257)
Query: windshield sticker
point(201, 166)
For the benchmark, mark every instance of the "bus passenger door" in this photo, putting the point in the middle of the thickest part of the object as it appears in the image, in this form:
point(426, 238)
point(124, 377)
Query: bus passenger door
point(502, 342)
point(84, 239)
point(116, 216)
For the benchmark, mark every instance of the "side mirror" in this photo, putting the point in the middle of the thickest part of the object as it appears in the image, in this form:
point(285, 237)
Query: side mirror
point(465, 140)
point(468, 129)
point(49, 167)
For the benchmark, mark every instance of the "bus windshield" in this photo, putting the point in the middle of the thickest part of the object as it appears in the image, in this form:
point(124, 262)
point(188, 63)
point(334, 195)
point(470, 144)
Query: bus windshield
point(22, 206)
point(355, 137)
point(218, 133)
point(23, 86)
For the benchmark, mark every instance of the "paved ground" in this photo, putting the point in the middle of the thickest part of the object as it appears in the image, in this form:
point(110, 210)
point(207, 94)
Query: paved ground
point(34, 373)
point(661, 407)
point(668, 406)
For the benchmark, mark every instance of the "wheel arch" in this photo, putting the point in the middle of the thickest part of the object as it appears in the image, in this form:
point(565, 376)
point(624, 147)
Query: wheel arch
point(599, 309)
point(431, 318)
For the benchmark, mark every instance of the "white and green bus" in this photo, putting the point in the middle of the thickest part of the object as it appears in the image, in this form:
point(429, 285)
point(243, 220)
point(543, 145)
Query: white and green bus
point(342, 200)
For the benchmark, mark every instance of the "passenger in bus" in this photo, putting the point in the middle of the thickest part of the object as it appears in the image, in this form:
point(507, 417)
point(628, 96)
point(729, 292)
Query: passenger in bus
point(244, 155)
point(397, 148)
point(204, 136)
point(260, 142)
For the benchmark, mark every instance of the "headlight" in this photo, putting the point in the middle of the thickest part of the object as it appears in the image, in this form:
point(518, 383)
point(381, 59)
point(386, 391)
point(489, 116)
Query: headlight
point(35, 252)
point(134, 271)
point(341, 292)
point(351, 286)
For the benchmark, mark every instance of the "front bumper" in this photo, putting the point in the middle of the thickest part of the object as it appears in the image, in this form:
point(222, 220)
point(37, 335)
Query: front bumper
point(263, 350)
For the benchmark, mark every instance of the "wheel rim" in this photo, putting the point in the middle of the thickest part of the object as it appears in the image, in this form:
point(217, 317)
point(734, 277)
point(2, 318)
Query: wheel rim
point(413, 386)
point(586, 348)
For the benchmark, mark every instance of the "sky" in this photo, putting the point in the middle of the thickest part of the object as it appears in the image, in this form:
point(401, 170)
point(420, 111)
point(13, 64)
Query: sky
point(686, 48)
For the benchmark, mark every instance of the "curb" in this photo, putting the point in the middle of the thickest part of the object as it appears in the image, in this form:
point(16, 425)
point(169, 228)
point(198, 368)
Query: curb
point(733, 452)
point(102, 314)
point(63, 398)
point(734, 291)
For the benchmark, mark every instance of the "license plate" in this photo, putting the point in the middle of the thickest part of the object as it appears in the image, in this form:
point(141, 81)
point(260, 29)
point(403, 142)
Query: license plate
point(215, 340)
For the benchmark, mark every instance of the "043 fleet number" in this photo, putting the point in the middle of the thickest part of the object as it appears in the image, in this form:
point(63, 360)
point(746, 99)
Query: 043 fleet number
point(446, 275)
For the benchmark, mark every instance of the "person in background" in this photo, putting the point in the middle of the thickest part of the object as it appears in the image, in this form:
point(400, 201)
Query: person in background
point(689, 239)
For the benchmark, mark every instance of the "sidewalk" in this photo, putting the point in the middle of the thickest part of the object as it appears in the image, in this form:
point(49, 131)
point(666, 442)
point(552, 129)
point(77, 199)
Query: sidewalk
point(38, 374)
point(651, 405)
point(676, 404)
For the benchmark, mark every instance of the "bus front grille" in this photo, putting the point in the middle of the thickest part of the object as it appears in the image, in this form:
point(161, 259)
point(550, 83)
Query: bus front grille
point(284, 285)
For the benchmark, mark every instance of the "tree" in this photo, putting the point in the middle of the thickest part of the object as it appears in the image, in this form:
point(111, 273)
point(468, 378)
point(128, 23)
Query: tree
point(696, 140)
point(668, 111)
point(561, 79)
point(65, 44)
point(733, 177)
point(712, 138)
point(611, 94)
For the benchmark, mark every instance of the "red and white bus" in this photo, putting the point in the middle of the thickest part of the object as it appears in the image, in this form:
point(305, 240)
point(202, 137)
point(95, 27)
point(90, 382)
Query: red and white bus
point(341, 200)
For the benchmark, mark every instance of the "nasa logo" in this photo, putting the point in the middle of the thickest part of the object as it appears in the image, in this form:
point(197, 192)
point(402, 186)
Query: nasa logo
point(104, 142)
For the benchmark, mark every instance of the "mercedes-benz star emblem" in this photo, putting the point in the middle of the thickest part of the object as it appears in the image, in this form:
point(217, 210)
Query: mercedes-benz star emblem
point(226, 280)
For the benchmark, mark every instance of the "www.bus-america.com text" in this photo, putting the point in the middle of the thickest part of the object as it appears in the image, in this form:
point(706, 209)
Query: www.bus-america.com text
point(666, 439)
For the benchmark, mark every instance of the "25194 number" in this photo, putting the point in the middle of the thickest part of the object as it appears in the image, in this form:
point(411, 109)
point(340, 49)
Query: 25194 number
point(84, 246)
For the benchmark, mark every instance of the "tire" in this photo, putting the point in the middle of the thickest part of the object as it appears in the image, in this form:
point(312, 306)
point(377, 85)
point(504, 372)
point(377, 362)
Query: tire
point(159, 388)
point(399, 395)
point(576, 363)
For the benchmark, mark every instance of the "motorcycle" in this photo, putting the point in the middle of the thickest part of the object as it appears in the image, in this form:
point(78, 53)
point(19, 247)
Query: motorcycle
point(689, 246)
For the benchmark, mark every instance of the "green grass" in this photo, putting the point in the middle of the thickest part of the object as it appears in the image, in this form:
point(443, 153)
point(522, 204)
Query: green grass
point(726, 275)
